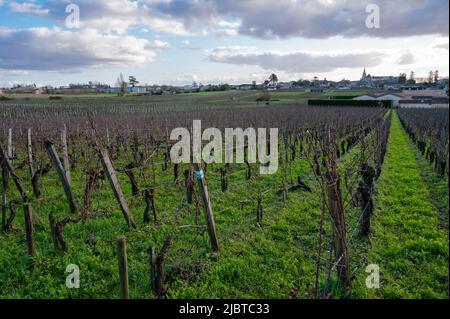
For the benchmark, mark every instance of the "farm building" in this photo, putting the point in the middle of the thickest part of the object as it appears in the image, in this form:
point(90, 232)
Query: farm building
point(90, 88)
point(425, 98)
point(393, 97)
point(25, 89)
point(137, 90)
point(420, 94)
point(413, 98)
point(131, 90)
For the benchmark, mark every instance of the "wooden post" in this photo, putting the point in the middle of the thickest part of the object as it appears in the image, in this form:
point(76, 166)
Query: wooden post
point(111, 174)
point(10, 146)
point(65, 153)
point(29, 229)
point(208, 208)
point(4, 190)
point(30, 154)
point(62, 175)
point(123, 267)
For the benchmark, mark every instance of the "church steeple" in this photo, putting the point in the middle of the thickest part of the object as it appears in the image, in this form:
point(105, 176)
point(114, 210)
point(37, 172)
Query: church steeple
point(364, 74)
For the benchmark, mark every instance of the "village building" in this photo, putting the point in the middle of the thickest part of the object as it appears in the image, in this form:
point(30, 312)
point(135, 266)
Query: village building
point(423, 98)
point(25, 89)
point(370, 81)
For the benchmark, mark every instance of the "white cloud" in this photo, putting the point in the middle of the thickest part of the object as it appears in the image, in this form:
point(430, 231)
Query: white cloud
point(226, 33)
point(56, 49)
point(118, 16)
point(261, 18)
point(28, 8)
point(311, 18)
point(13, 72)
point(322, 19)
point(228, 24)
point(293, 62)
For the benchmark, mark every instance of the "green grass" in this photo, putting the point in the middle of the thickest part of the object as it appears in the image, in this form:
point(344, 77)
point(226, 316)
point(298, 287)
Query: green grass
point(407, 241)
point(260, 262)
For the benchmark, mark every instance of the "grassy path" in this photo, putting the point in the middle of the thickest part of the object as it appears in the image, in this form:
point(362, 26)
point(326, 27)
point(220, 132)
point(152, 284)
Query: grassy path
point(408, 241)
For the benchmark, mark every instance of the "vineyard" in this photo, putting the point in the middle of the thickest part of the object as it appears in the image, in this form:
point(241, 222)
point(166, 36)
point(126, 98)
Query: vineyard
point(89, 182)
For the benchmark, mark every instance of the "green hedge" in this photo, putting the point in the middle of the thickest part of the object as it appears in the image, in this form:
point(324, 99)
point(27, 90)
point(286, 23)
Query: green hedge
point(369, 103)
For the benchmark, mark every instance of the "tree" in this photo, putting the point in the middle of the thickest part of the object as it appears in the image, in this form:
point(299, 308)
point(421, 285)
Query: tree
point(402, 78)
point(122, 85)
point(303, 83)
point(133, 81)
point(224, 87)
point(412, 78)
point(273, 79)
point(436, 76)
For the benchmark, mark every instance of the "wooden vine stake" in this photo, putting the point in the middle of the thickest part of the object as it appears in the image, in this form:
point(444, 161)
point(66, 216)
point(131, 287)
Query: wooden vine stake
point(4, 191)
point(112, 177)
point(62, 175)
point(10, 146)
point(29, 229)
point(208, 208)
point(65, 153)
point(123, 267)
point(30, 153)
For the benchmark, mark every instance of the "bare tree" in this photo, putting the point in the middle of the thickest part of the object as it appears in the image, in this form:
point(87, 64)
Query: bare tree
point(122, 85)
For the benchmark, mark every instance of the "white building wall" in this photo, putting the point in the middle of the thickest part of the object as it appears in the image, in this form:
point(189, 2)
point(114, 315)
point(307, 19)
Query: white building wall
point(395, 99)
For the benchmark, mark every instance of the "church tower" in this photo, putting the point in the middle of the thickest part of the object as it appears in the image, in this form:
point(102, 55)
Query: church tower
point(364, 75)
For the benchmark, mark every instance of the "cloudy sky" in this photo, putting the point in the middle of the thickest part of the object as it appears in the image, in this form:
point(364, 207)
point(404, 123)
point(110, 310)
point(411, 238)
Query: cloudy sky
point(217, 41)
